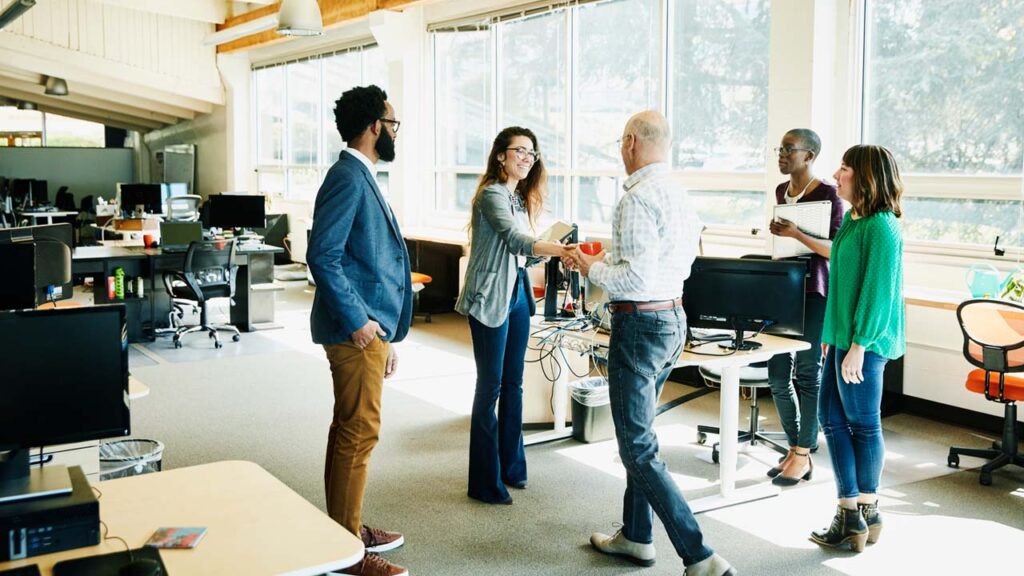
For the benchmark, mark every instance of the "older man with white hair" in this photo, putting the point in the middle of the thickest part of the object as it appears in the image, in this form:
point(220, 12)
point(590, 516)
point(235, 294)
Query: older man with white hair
point(655, 233)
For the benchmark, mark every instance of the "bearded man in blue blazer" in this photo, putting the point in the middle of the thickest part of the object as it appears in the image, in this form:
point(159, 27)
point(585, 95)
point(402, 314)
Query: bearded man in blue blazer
point(363, 304)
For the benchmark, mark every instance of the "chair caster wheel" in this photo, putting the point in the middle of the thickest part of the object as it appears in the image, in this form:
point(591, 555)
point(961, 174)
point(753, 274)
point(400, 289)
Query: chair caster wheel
point(236, 338)
point(953, 461)
point(218, 345)
point(714, 455)
point(985, 479)
point(177, 344)
point(702, 438)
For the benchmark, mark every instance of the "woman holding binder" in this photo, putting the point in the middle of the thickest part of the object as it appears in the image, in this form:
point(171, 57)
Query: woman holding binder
point(498, 299)
point(795, 378)
point(864, 328)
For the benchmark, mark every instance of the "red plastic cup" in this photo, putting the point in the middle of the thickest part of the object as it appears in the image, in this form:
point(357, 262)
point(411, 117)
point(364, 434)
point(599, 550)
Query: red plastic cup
point(147, 239)
point(110, 288)
point(590, 248)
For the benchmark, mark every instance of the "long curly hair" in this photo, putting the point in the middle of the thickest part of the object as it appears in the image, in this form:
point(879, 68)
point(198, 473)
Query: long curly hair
point(531, 190)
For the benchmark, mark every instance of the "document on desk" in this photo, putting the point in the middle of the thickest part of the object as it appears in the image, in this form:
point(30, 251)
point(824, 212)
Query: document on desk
point(812, 218)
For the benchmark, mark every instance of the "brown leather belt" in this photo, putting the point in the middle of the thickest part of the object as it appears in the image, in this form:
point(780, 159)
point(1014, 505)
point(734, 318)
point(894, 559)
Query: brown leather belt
point(615, 307)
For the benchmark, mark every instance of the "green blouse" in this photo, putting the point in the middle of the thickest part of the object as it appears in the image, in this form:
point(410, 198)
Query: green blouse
point(865, 290)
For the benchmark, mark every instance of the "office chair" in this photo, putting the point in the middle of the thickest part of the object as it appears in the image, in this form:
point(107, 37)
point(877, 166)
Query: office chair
point(209, 272)
point(753, 378)
point(64, 200)
point(183, 208)
point(994, 342)
point(419, 282)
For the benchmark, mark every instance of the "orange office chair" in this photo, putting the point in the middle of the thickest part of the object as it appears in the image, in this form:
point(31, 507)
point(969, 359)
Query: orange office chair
point(419, 282)
point(994, 342)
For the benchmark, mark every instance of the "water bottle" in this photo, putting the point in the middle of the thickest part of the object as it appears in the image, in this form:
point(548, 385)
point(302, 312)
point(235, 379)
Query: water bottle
point(119, 283)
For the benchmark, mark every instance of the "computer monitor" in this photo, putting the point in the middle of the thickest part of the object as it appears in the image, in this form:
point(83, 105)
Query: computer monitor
point(21, 191)
point(146, 195)
point(237, 211)
point(36, 264)
point(40, 192)
point(172, 189)
point(746, 294)
point(65, 379)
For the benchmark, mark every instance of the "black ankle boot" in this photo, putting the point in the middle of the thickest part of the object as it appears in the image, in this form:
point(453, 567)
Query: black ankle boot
point(847, 526)
point(873, 519)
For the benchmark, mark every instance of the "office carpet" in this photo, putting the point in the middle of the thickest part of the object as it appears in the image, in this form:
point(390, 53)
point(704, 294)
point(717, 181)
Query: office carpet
point(270, 402)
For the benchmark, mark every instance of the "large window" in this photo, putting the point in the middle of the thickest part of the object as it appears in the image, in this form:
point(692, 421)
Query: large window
point(296, 140)
point(575, 75)
point(948, 104)
point(34, 128)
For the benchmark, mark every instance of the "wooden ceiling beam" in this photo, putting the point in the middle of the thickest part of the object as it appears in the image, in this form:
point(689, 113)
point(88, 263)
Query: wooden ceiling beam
point(334, 12)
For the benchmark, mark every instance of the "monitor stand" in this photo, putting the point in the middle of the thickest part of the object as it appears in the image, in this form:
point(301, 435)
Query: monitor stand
point(739, 344)
point(19, 482)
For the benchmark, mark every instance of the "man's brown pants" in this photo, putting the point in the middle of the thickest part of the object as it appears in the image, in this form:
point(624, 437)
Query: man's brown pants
point(358, 376)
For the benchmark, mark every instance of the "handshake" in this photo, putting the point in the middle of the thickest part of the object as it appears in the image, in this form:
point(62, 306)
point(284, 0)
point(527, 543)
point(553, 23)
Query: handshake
point(581, 256)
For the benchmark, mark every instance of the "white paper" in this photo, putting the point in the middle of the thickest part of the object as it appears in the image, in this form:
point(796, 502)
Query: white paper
point(813, 218)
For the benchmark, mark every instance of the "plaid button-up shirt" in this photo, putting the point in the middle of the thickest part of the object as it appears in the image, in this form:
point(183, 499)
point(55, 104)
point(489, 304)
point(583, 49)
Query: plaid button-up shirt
point(654, 239)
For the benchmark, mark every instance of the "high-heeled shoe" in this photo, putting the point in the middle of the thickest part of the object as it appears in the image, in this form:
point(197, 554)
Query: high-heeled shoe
point(776, 470)
point(848, 527)
point(783, 480)
point(873, 519)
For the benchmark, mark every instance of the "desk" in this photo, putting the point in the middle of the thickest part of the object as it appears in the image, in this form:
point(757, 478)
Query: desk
point(255, 524)
point(729, 400)
point(253, 307)
point(437, 253)
point(49, 216)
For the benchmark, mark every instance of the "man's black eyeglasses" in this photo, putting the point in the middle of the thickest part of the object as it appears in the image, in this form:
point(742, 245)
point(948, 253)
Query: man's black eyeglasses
point(394, 123)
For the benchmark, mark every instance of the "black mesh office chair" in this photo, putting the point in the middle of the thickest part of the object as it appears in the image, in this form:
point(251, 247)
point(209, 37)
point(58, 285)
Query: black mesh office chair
point(209, 272)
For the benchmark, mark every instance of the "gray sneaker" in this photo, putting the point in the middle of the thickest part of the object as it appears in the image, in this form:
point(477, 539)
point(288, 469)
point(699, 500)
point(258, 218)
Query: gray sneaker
point(619, 545)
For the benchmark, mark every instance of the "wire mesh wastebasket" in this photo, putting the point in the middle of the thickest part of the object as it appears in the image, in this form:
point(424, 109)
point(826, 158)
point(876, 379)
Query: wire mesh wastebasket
point(121, 458)
point(591, 410)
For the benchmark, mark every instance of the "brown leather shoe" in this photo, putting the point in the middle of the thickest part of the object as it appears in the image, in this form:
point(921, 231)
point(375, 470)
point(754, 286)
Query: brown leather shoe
point(373, 565)
point(376, 540)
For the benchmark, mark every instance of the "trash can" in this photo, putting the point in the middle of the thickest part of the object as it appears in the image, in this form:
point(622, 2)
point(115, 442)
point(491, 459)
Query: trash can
point(591, 410)
point(121, 458)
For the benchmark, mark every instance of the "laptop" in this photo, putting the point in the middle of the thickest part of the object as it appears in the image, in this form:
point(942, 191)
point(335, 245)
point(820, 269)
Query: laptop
point(176, 236)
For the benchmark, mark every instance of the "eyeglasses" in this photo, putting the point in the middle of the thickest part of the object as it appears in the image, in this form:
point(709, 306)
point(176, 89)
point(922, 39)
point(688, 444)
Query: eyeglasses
point(787, 150)
point(394, 123)
point(523, 153)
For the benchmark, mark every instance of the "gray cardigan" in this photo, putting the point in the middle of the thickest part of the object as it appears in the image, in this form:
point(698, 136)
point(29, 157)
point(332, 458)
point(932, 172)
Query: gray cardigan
point(500, 233)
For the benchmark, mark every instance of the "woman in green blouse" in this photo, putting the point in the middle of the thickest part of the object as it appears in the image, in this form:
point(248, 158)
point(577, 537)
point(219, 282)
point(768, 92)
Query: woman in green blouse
point(864, 328)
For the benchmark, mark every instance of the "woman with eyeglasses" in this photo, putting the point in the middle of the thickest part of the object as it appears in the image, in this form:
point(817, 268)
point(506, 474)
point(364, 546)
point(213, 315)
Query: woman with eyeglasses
point(864, 328)
point(498, 300)
point(795, 378)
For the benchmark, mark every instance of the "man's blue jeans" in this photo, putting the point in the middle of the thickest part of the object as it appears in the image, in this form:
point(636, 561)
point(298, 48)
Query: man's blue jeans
point(644, 347)
point(851, 417)
point(795, 381)
point(496, 453)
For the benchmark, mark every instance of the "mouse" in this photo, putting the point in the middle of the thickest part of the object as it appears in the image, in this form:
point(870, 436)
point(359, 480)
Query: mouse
point(141, 567)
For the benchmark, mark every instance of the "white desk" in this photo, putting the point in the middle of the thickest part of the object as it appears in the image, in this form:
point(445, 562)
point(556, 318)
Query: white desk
point(255, 524)
point(729, 399)
point(49, 216)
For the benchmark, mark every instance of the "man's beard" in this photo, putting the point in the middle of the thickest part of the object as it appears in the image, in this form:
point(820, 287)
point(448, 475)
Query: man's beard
point(385, 146)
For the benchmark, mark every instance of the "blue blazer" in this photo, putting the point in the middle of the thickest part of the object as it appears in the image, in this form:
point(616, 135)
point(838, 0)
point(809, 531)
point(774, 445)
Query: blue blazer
point(357, 257)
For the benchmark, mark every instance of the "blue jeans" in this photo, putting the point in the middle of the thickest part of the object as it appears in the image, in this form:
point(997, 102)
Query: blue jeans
point(644, 347)
point(496, 453)
point(851, 417)
point(795, 381)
